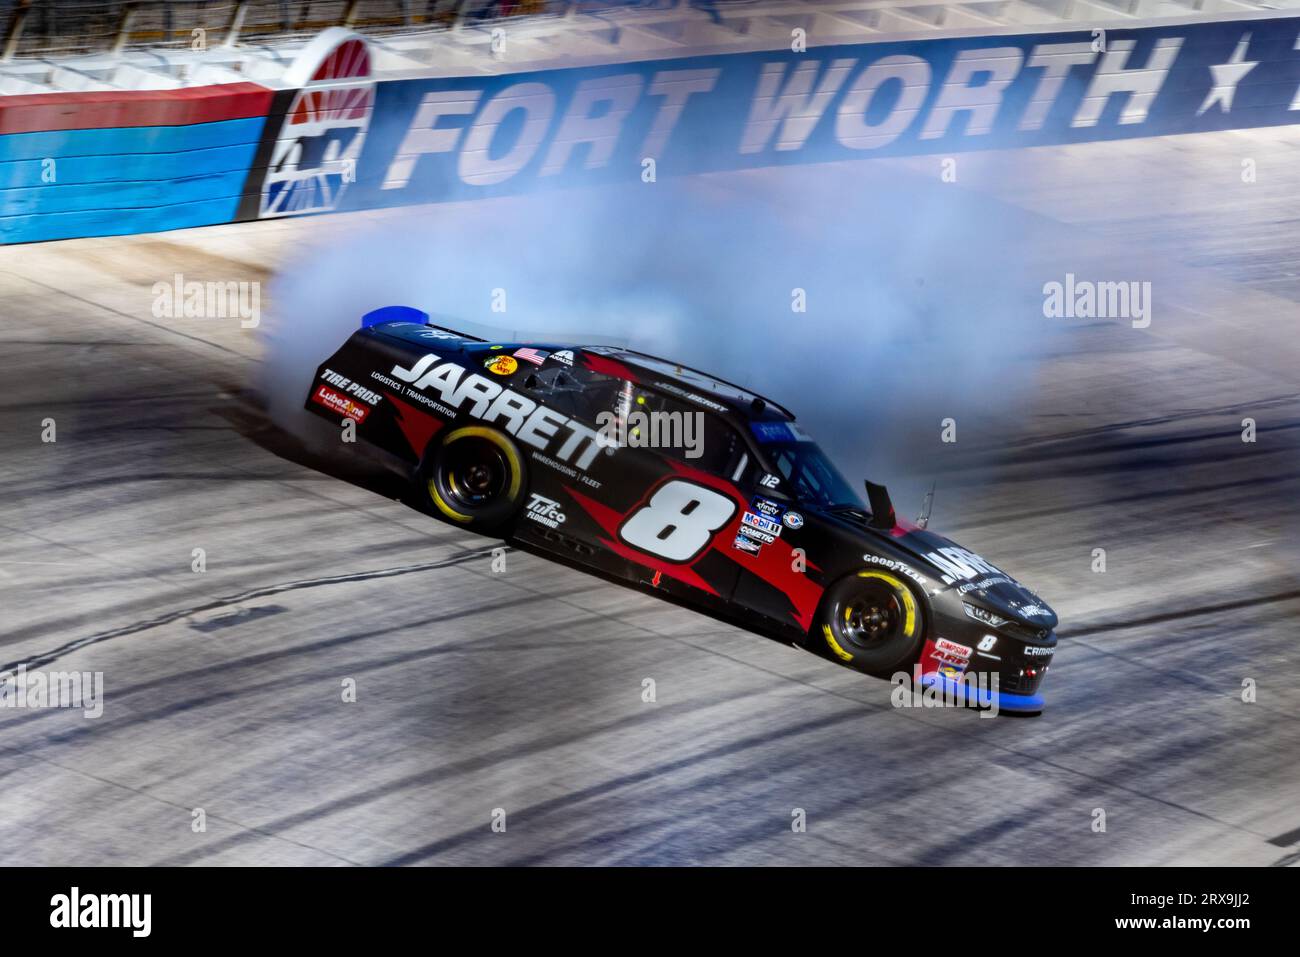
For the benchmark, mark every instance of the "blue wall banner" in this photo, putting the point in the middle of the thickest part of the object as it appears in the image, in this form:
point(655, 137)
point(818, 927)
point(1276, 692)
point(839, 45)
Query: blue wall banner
point(336, 138)
point(464, 137)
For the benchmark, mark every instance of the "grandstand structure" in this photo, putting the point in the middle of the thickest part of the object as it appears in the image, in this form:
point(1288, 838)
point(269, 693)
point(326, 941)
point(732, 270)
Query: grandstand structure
point(79, 45)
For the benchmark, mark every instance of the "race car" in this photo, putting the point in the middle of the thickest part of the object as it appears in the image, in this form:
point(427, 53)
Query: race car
point(683, 484)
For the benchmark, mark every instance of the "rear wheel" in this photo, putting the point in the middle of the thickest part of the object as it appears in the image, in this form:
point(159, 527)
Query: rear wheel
point(474, 476)
point(872, 621)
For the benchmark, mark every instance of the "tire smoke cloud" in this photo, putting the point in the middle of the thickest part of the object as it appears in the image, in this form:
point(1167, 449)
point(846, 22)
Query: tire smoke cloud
point(910, 302)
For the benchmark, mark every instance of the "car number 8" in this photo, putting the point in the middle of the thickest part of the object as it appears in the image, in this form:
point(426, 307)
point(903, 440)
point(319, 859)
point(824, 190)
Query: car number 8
point(678, 521)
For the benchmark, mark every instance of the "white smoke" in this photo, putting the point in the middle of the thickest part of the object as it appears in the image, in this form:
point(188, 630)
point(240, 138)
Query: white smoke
point(913, 297)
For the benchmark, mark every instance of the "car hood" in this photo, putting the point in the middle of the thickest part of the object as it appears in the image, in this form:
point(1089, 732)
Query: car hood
point(975, 580)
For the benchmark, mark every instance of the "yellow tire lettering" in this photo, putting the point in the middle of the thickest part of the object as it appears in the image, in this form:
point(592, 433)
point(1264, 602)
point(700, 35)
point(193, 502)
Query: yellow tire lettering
point(835, 645)
point(442, 506)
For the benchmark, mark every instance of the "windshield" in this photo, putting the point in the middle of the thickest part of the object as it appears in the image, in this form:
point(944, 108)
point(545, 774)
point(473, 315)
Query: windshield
point(810, 473)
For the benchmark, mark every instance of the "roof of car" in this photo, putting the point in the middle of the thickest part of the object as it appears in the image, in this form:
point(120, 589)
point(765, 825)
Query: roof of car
point(650, 371)
point(662, 372)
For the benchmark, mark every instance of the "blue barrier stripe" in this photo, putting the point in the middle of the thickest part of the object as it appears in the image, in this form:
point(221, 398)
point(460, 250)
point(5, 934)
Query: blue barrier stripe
point(78, 170)
point(138, 139)
point(123, 180)
point(117, 222)
point(119, 196)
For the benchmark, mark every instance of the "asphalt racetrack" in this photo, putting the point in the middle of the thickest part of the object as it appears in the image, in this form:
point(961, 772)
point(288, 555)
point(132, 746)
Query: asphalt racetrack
point(522, 690)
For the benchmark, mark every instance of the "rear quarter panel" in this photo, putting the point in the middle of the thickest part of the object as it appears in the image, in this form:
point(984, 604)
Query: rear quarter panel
point(357, 382)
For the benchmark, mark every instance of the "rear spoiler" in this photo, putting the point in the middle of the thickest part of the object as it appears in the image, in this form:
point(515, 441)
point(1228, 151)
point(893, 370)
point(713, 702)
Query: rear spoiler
point(409, 314)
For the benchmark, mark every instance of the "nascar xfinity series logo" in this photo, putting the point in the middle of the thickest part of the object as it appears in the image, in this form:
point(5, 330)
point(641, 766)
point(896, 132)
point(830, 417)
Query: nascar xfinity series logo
point(544, 429)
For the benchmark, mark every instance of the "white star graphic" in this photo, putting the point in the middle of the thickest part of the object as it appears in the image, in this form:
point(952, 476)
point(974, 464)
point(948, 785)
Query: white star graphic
point(1295, 104)
point(1226, 77)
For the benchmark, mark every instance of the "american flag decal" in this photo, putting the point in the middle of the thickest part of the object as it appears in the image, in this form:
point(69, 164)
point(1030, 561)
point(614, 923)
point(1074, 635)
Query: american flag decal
point(531, 355)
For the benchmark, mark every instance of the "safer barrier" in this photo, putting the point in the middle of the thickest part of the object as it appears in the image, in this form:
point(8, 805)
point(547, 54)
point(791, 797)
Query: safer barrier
point(104, 164)
point(338, 139)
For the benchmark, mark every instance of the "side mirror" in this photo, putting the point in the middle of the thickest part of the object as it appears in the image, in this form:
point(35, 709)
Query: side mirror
point(923, 520)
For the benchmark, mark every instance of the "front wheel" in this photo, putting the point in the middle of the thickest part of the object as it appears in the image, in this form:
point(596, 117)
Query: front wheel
point(872, 621)
point(474, 476)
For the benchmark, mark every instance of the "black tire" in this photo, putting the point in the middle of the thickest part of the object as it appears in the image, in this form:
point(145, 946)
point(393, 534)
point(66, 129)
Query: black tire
point(873, 622)
point(474, 476)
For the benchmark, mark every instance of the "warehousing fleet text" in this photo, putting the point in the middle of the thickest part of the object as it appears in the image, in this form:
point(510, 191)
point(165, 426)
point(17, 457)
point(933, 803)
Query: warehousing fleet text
point(491, 402)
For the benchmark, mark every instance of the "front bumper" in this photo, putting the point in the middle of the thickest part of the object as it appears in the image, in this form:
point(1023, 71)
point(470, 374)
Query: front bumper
point(1017, 655)
point(1004, 700)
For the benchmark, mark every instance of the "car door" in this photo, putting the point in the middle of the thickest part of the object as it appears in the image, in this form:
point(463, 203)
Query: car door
point(664, 512)
point(571, 495)
point(776, 549)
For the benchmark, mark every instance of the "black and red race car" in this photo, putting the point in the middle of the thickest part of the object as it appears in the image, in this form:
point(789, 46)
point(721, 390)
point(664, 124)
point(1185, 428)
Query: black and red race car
point(679, 482)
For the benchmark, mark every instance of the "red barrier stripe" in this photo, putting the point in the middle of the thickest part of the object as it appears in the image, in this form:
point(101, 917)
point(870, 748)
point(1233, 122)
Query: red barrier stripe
point(108, 109)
